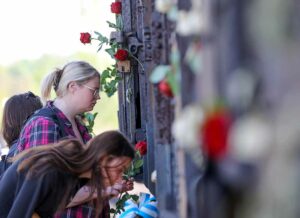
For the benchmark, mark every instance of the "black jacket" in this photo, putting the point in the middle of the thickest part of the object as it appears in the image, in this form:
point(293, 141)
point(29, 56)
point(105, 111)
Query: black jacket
point(20, 197)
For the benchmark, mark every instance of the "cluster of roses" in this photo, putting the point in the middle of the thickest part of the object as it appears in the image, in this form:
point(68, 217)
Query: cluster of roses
point(110, 77)
point(121, 54)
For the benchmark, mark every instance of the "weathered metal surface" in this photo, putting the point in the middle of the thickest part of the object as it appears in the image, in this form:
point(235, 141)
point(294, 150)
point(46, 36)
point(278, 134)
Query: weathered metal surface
point(163, 116)
point(117, 36)
point(133, 89)
point(144, 114)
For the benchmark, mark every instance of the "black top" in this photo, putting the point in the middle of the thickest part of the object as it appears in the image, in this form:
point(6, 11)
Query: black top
point(20, 197)
point(5, 162)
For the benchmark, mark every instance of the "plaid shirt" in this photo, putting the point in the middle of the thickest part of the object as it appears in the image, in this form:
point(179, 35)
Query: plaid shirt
point(43, 130)
point(83, 211)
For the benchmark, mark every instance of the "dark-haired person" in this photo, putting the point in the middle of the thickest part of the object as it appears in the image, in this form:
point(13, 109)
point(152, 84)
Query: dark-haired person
point(44, 179)
point(16, 110)
point(76, 85)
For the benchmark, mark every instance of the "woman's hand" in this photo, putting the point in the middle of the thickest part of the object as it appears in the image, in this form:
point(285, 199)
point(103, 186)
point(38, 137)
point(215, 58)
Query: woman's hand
point(118, 188)
point(127, 185)
point(112, 191)
point(83, 194)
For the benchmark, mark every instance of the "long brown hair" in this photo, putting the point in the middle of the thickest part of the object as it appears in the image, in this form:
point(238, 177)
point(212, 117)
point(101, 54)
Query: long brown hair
point(70, 156)
point(16, 110)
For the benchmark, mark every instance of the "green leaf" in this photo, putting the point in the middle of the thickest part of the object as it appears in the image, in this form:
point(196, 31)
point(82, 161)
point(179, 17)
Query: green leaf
point(113, 83)
point(114, 46)
point(112, 210)
point(118, 78)
point(119, 22)
point(90, 118)
point(112, 25)
point(138, 154)
point(114, 72)
point(110, 51)
point(92, 123)
point(173, 83)
point(110, 92)
point(135, 198)
point(159, 73)
point(105, 74)
point(101, 38)
point(95, 115)
point(138, 163)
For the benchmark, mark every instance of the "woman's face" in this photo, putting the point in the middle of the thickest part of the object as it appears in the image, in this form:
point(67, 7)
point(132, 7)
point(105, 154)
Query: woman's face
point(114, 168)
point(87, 95)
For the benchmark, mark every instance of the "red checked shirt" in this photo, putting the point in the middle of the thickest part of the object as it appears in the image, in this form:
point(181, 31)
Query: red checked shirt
point(41, 130)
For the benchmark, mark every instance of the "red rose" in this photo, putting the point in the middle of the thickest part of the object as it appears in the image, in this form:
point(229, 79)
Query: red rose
point(85, 38)
point(116, 7)
point(165, 88)
point(214, 134)
point(121, 55)
point(141, 146)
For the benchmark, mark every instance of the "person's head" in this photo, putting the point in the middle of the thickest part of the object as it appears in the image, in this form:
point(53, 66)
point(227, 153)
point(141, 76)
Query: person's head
point(16, 111)
point(114, 155)
point(104, 160)
point(78, 80)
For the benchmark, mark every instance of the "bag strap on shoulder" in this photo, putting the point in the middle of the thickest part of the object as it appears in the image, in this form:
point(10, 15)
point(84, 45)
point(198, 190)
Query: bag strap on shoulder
point(50, 113)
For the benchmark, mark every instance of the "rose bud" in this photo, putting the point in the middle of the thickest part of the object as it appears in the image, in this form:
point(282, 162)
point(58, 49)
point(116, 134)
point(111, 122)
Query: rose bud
point(85, 38)
point(121, 55)
point(141, 146)
point(116, 7)
point(165, 89)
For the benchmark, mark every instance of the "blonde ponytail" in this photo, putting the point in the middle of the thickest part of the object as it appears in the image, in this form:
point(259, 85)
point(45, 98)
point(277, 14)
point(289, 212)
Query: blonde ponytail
point(46, 86)
point(78, 71)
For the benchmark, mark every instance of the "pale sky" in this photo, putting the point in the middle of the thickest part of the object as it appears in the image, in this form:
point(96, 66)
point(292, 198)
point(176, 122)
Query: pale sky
point(31, 28)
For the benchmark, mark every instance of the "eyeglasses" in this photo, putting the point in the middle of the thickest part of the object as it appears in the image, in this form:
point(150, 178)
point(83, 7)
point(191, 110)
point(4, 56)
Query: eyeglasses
point(96, 92)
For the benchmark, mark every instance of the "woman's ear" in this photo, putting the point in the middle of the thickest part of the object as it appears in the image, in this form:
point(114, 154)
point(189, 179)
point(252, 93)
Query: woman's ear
point(72, 87)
